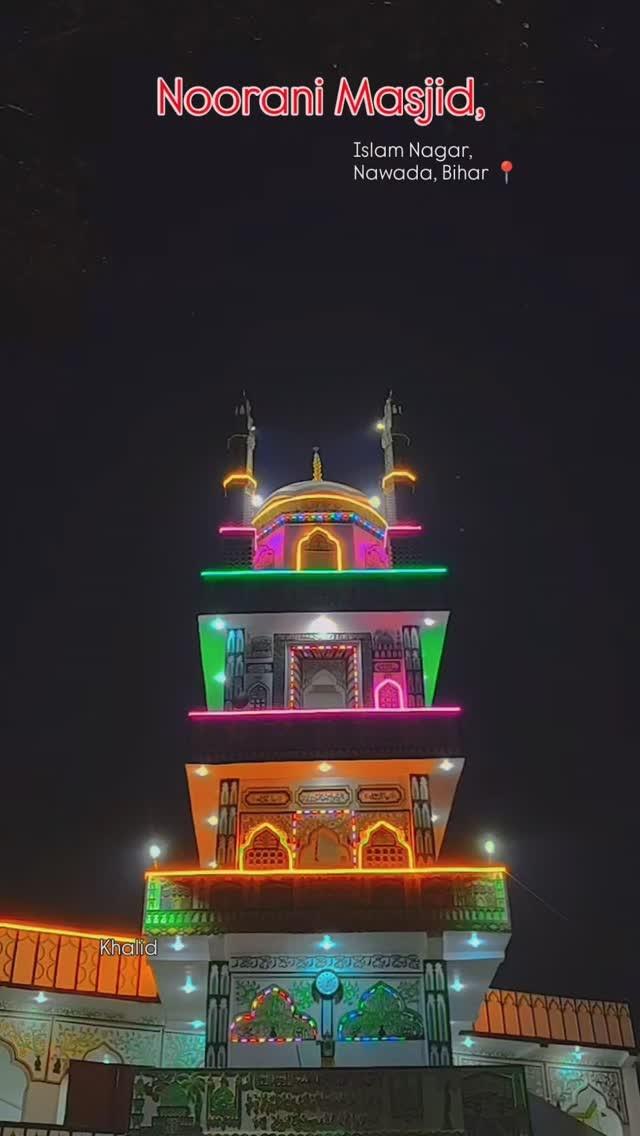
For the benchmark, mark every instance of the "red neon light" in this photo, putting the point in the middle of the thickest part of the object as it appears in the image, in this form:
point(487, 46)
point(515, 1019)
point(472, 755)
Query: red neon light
point(374, 712)
point(237, 529)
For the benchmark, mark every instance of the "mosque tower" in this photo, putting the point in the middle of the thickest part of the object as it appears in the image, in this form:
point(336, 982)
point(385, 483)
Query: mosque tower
point(323, 774)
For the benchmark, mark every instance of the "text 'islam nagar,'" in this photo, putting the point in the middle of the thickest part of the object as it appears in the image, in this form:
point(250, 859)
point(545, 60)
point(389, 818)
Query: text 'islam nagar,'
point(320, 969)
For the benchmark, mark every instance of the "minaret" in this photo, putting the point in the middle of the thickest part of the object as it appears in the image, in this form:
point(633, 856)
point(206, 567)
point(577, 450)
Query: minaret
point(239, 486)
point(399, 479)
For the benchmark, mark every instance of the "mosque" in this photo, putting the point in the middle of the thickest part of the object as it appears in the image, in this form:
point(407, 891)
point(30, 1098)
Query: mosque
point(323, 967)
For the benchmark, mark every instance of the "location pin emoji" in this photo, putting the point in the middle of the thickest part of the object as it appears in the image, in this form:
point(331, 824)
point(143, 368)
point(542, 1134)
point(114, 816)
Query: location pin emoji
point(506, 168)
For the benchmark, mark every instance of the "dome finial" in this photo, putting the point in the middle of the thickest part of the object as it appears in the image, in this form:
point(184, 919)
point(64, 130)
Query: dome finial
point(317, 464)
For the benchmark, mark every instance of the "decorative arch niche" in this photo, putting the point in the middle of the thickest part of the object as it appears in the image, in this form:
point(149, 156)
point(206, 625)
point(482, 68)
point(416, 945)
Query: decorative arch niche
point(267, 848)
point(384, 846)
point(14, 1081)
point(319, 549)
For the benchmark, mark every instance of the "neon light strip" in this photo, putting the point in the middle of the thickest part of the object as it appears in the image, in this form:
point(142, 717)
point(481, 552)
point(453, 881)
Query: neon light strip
point(398, 473)
point(237, 530)
point(71, 931)
point(479, 870)
point(323, 516)
point(400, 529)
point(373, 712)
point(361, 573)
point(318, 496)
point(240, 476)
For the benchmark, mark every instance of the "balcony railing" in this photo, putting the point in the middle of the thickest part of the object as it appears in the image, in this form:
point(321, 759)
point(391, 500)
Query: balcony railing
point(294, 735)
point(298, 902)
point(391, 1101)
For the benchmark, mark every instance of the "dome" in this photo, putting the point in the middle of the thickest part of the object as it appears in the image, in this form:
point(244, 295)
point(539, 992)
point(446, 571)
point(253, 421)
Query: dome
point(317, 488)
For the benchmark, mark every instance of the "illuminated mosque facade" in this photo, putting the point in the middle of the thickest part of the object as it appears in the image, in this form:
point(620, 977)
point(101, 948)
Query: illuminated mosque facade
point(323, 966)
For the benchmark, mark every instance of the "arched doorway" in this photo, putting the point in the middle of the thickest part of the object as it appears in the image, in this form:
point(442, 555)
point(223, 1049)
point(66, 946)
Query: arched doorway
point(13, 1085)
point(319, 550)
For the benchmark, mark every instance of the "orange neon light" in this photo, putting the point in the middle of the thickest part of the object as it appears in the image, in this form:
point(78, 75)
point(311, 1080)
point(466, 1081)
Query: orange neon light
point(303, 540)
point(366, 837)
point(251, 836)
point(240, 477)
point(398, 473)
point(480, 870)
point(71, 931)
point(319, 497)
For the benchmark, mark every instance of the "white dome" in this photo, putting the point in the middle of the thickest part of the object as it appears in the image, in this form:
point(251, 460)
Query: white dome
point(319, 488)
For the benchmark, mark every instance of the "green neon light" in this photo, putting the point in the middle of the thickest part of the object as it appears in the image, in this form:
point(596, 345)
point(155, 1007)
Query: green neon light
point(431, 646)
point(360, 573)
point(213, 652)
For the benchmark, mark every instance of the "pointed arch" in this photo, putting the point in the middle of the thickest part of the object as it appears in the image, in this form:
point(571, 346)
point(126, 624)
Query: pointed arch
point(389, 695)
point(384, 846)
point(328, 545)
point(14, 1081)
point(266, 847)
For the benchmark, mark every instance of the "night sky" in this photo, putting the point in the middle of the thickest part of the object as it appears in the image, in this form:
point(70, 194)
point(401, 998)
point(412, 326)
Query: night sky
point(158, 267)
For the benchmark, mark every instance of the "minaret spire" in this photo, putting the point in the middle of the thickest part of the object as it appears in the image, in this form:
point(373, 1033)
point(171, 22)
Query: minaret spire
point(317, 464)
point(239, 483)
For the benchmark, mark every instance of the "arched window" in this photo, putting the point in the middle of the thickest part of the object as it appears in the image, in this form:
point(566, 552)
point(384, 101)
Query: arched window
point(258, 696)
point(318, 549)
point(13, 1085)
point(384, 848)
point(266, 848)
point(388, 695)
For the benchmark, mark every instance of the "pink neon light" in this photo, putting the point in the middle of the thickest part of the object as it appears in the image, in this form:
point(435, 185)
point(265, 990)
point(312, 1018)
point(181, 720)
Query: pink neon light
point(238, 529)
point(205, 715)
point(381, 686)
point(404, 528)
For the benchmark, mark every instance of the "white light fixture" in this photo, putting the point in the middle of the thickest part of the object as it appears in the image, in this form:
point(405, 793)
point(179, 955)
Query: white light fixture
point(188, 986)
point(324, 767)
point(256, 499)
point(155, 851)
point(177, 944)
point(197, 1024)
point(375, 501)
point(490, 847)
point(218, 624)
point(220, 677)
point(457, 985)
point(326, 943)
point(468, 1042)
point(40, 998)
point(577, 1053)
point(212, 864)
point(380, 425)
point(428, 621)
point(212, 820)
point(474, 941)
point(202, 771)
point(323, 625)
point(434, 817)
point(446, 765)
point(106, 1060)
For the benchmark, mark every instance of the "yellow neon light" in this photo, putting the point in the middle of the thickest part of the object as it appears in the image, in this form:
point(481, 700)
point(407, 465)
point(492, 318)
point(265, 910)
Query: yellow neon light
point(479, 870)
point(73, 932)
point(366, 837)
point(240, 477)
point(282, 837)
point(304, 539)
point(270, 505)
point(398, 473)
